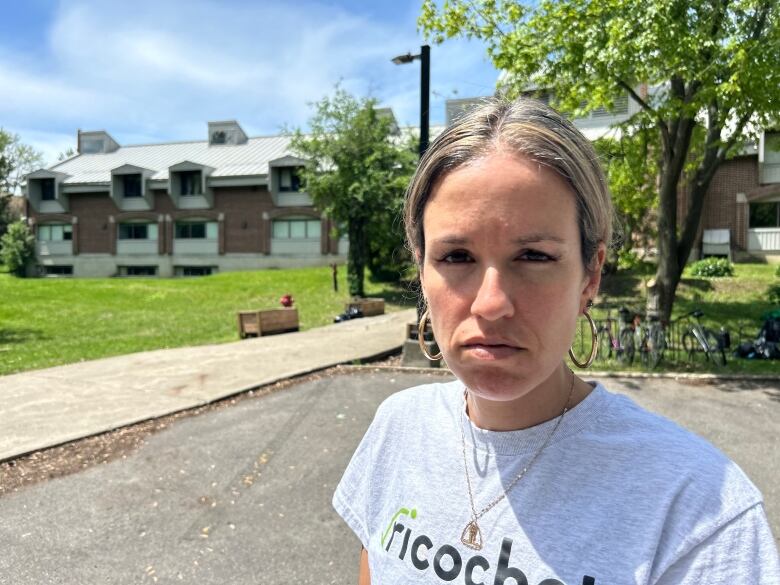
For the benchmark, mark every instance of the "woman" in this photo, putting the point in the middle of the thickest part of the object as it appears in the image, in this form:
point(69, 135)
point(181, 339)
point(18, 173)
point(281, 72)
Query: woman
point(519, 471)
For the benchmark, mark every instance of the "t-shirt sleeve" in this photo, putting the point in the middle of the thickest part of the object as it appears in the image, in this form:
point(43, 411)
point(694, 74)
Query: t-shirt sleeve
point(741, 552)
point(352, 498)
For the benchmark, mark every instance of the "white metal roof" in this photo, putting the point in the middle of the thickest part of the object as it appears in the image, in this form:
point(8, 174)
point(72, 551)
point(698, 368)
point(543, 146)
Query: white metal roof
point(247, 159)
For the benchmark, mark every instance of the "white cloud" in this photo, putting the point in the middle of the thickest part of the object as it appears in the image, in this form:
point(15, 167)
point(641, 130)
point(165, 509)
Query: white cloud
point(150, 71)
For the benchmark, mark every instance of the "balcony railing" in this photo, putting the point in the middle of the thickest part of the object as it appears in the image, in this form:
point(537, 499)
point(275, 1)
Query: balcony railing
point(145, 247)
point(770, 173)
point(195, 246)
point(54, 248)
point(764, 239)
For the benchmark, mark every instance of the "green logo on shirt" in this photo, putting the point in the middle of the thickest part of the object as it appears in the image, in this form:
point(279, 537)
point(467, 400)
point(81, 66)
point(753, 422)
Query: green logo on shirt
point(401, 512)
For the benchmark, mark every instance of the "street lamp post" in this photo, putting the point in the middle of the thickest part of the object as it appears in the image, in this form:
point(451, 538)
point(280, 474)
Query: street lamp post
point(425, 90)
point(412, 355)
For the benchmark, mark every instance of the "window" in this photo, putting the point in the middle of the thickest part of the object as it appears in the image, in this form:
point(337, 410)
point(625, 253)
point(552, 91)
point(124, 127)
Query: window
point(55, 232)
point(132, 185)
point(765, 215)
point(772, 148)
point(196, 230)
point(295, 229)
point(218, 137)
point(138, 271)
point(47, 189)
point(91, 145)
point(194, 270)
point(137, 231)
point(289, 179)
point(59, 270)
point(190, 183)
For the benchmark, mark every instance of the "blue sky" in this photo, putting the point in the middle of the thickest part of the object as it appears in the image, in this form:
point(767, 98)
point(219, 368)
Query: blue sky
point(158, 70)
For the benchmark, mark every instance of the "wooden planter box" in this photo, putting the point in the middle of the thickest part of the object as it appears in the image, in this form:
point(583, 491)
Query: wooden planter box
point(268, 322)
point(369, 307)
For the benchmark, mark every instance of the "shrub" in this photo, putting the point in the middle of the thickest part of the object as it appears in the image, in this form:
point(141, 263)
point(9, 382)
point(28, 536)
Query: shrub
point(630, 261)
point(773, 293)
point(712, 267)
point(777, 272)
point(17, 248)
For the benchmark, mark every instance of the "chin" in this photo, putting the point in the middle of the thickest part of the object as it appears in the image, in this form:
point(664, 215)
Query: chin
point(494, 380)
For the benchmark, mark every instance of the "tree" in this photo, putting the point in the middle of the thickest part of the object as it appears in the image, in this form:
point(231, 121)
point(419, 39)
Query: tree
point(631, 166)
point(711, 65)
point(16, 160)
point(17, 248)
point(69, 152)
point(357, 174)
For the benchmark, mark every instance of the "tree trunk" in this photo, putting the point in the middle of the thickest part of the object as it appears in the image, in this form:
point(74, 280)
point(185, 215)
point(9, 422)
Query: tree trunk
point(669, 263)
point(667, 275)
point(356, 258)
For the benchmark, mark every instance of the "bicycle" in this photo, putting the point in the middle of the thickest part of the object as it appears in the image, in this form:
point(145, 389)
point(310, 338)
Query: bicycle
point(607, 342)
point(652, 342)
point(698, 340)
point(626, 345)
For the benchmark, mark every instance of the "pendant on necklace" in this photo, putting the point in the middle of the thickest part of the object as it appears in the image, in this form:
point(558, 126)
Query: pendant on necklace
point(472, 536)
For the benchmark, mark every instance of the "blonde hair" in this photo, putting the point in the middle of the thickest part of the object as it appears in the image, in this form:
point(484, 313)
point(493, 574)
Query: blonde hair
point(531, 130)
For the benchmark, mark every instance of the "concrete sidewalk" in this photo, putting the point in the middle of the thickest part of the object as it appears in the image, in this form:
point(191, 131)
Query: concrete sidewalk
point(43, 408)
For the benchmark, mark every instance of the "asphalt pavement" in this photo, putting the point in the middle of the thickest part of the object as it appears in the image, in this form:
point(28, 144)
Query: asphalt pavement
point(44, 408)
point(242, 494)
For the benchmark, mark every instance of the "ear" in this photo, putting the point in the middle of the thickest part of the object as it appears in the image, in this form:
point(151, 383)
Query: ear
point(421, 277)
point(593, 278)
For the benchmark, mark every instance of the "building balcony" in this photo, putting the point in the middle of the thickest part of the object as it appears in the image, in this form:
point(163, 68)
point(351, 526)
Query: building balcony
point(769, 173)
point(764, 239)
point(296, 247)
point(54, 248)
point(195, 246)
point(293, 199)
point(136, 247)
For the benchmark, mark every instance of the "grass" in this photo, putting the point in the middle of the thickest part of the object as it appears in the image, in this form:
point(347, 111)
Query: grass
point(737, 303)
point(52, 321)
point(48, 322)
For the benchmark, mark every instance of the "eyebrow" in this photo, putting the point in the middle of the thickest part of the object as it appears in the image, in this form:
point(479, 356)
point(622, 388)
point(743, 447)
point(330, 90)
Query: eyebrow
point(534, 238)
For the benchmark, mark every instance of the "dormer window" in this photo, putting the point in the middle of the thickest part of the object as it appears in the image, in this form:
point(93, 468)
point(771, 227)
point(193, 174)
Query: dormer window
point(190, 183)
point(47, 190)
point(218, 137)
point(289, 179)
point(132, 185)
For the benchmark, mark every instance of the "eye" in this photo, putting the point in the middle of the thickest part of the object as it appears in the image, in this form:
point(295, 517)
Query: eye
point(536, 256)
point(456, 257)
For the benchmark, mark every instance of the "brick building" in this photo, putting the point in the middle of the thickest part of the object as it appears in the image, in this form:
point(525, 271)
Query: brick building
point(744, 199)
point(179, 209)
point(235, 203)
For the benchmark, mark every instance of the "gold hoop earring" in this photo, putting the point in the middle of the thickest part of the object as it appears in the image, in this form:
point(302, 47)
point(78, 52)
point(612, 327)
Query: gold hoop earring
point(421, 337)
point(593, 344)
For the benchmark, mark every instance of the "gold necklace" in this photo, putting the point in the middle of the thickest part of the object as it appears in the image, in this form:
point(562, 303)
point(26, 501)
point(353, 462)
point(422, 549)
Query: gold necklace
point(472, 535)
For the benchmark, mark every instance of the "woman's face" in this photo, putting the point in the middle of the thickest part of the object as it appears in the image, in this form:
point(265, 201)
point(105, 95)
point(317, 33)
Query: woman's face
point(503, 273)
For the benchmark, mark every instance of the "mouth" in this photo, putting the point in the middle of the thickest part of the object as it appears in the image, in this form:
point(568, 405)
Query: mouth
point(488, 350)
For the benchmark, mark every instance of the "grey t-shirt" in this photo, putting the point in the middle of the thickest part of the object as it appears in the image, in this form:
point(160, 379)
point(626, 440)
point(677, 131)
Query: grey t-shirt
point(618, 496)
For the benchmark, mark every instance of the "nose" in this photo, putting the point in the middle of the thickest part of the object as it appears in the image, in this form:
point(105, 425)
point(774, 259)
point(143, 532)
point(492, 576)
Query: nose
point(493, 301)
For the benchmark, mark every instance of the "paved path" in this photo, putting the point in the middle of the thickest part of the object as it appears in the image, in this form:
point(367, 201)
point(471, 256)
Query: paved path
point(43, 408)
point(242, 494)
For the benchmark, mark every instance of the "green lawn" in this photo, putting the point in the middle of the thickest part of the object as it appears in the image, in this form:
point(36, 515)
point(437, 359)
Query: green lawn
point(50, 321)
point(736, 303)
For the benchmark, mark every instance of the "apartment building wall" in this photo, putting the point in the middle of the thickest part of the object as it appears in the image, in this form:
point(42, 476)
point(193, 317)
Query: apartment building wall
point(725, 206)
point(244, 216)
